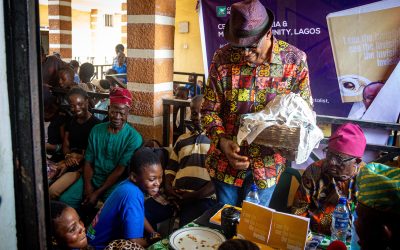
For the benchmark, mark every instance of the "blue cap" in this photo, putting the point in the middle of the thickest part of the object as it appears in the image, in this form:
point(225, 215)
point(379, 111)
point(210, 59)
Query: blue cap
point(253, 187)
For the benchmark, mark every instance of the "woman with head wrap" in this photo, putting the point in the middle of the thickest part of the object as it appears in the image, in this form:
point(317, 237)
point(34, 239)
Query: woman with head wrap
point(324, 181)
point(378, 208)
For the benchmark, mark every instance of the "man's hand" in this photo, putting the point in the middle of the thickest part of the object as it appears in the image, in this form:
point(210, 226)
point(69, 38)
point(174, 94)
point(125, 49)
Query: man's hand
point(73, 159)
point(231, 151)
point(91, 200)
point(186, 195)
point(171, 192)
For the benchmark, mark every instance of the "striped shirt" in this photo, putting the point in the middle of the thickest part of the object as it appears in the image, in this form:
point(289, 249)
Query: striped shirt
point(187, 161)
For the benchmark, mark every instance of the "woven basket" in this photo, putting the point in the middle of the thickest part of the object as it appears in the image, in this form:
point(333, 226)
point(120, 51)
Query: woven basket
point(279, 136)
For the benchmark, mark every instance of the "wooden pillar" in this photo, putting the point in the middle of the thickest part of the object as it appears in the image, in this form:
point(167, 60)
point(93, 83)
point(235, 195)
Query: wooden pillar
point(60, 28)
point(151, 26)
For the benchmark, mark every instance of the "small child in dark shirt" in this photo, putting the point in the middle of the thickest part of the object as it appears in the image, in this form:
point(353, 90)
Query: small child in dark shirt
point(56, 119)
point(75, 66)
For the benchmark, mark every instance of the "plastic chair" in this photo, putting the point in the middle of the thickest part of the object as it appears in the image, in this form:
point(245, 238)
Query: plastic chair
point(282, 198)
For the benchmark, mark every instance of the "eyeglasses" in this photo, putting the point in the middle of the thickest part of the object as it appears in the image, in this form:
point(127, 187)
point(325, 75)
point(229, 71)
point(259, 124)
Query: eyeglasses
point(251, 47)
point(339, 160)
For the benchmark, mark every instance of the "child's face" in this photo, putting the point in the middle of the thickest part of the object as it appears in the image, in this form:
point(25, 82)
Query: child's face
point(70, 230)
point(64, 81)
point(49, 112)
point(121, 59)
point(182, 94)
point(150, 179)
point(79, 106)
point(195, 114)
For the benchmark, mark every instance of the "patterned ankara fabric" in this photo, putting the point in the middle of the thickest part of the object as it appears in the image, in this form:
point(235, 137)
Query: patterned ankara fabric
point(236, 87)
point(379, 187)
point(318, 195)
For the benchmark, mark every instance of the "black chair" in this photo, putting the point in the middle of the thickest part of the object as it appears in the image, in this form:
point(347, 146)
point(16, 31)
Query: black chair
point(280, 200)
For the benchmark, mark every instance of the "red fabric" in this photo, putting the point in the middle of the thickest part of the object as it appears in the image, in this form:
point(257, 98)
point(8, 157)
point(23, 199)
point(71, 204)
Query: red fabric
point(348, 139)
point(337, 245)
point(120, 96)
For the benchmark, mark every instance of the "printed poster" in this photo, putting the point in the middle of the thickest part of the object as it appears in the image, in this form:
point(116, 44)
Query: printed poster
point(304, 24)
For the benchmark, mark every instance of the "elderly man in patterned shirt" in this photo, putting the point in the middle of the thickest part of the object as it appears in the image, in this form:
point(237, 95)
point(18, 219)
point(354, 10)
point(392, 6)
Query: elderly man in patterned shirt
point(244, 76)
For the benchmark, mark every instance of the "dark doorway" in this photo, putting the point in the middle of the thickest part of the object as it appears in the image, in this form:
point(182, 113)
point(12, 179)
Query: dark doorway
point(21, 21)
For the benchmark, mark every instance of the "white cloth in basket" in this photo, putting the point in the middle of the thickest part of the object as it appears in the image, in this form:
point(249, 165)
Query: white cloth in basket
point(289, 110)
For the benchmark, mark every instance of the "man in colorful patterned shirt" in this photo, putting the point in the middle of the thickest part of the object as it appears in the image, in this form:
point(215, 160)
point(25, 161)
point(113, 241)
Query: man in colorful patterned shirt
point(244, 76)
point(324, 181)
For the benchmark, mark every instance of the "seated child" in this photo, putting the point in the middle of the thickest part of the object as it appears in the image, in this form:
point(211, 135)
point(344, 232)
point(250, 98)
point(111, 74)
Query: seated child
point(186, 178)
point(56, 119)
point(75, 142)
point(68, 231)
point(50, 68)
point(66, 77)
point(182, 93)
point(86, 73)
point(157, 207)
point(111, 78)
point(378, 208)
point(120, 67)
point(193, 89)
point(122, 216)
point(75, 66)
point(324, 181)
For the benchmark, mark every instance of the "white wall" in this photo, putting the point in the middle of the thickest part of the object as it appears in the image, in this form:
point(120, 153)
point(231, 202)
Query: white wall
point(106, 38)
point(81, 43)
point(99, 44)
point(8, 234)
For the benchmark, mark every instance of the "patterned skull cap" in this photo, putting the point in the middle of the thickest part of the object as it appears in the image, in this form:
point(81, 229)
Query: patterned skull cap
point(379, 187)
point(120, 96)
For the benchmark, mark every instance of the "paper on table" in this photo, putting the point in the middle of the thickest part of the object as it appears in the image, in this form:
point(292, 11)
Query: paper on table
point(288, 231)
point(266, 226)
point(255, 222)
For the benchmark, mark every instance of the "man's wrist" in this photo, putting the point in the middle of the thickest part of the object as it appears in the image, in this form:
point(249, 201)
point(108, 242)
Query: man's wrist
point(153, 237)
point(223, 137)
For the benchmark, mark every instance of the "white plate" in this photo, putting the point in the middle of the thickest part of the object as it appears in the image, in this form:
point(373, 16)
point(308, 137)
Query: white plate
point(192, 238)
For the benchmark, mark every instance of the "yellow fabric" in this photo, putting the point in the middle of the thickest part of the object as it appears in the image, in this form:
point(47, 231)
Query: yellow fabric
point(379, 187)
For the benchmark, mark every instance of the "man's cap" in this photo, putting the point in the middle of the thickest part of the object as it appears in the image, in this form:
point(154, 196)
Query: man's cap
point(348, 139)
point(120, 96)
point(249, 21)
